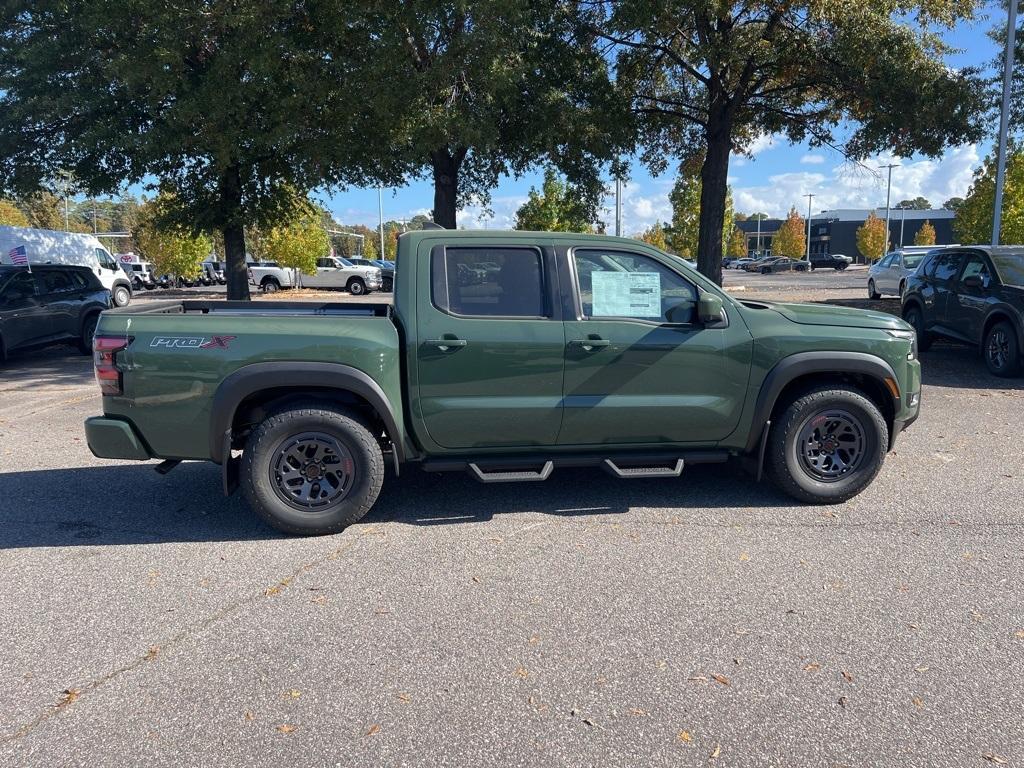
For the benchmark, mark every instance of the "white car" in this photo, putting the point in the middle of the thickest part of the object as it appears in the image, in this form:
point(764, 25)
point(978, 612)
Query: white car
point(46, 246)
point(888, 276)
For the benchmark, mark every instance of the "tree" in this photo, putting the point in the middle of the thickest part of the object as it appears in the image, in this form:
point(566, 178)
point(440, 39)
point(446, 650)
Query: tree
point(953, 204)
point(299, 242)
point(370, 249)
point(43, 209)
point(685, 199)
point(872, 238)
point(556, 207)
point(710, 78)
point(925, 235)
point(737, 243)
point(230, 105)
point(655, 235)
point(10, 216)
point(791, 240)
point(493, 87)
point(973, 222)
point(172, 248)
point(917, 204)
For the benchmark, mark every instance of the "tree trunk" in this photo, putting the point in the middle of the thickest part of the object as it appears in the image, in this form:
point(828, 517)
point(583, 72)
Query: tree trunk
point(446, 185)
point(714, 177)
point(234, 236)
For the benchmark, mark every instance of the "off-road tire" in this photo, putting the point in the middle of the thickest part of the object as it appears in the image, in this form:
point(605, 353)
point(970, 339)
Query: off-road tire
point(787, 468)
point(1007, 364)
point(260, 483)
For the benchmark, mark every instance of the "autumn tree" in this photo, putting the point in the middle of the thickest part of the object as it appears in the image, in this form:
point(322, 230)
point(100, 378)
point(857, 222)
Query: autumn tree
point(973, 222)
point(10, 216)
point(925, 235)
point(298, 242)
point(655, 235)
point(685, 199)
point(555, 207)
point(872, 239)
point(172, 248)
point(790, 241)
point(737, 243)
point(707, 79)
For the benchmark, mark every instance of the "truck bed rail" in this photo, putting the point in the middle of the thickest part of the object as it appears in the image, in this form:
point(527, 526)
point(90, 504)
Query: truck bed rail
point(257, 308)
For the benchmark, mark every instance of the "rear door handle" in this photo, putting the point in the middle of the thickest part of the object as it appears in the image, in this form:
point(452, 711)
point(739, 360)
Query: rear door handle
point(446, 345)
point(589, 345)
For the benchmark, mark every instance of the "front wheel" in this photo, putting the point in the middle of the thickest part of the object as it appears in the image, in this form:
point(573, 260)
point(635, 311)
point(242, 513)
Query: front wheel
point(121, 295)
point(827, 446)
point(356, 286)
point(915, 317)
point(312, 469)
point(1002, 350)
point(88, 331)
point(872, 293)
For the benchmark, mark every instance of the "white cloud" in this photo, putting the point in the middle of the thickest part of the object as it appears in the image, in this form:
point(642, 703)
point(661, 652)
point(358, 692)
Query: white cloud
point(812, 159)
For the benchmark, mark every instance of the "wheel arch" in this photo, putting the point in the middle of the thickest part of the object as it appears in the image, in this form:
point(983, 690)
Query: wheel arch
point(998, 314)
point(806, 369)
point(257, 388)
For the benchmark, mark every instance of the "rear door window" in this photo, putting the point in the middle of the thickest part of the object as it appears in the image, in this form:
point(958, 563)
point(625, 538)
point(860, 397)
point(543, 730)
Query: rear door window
point(56, 281)
point(18, 288)
point(488, 282)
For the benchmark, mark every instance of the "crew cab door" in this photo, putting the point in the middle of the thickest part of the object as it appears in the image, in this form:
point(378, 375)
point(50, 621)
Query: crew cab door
point(22, 317)
point(639, 365)
point(488, 346)
point(968, 305)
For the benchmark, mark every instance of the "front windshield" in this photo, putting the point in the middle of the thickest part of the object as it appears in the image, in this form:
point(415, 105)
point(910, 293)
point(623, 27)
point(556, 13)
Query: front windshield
point(911, 260)
point(344, 262)
point(1010, 267)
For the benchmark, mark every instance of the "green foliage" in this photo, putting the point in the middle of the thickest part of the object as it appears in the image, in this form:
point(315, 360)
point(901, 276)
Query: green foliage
point(973, 222)
point(172, 248)
point(737, 243)
point(298, 242)
point(759, 217)
point(925, 235)
point(872, 239)
point(10, 216)
point(685, 199)
point(917, 204)
point(557, 207)
point(655, 235)
point(370, 249)
point(44, 210)
point(953, 204)
point(791, 239)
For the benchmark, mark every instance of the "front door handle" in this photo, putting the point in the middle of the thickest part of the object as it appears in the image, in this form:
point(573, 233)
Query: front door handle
point(446, 345)
point(589, 345)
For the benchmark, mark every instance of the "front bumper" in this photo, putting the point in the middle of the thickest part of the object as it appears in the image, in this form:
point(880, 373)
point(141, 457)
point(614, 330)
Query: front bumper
point(114, 439)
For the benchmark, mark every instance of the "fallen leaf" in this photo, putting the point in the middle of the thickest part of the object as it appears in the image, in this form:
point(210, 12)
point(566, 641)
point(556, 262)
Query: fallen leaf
point(637, 712)
point(684, 736)
point(405, 698)
point(992, 757)
point(812, 667)
point(918, 702)
point(847, 676)
point(720, 679)
point(69, 696)
point(522, 672)
point(1019, 634)
point(717, 751)
point(374, 730)
point(249, 715)
point(920, 669)
point(591, 723)
point(662, 664)
point(285, 728)
point(744, 557)
point(319, 599)
point(268, 592)
point(292, 694)
point(152, 652)
point(534, 640)
point(842, 701)
point(476, 579)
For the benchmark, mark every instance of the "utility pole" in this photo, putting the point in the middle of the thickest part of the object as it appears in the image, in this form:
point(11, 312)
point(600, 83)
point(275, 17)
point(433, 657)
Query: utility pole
point(809, 199)
point(1004, 117)
point(758, 251)
point(888, 192)
point(618, 207)
point(380, 212)
point(903, 219)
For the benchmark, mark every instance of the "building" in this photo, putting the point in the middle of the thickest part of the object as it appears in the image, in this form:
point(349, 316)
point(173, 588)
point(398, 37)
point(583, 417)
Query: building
point(835, 231)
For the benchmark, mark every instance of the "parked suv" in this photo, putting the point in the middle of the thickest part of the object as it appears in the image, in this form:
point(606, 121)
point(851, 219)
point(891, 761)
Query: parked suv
point(49, 305)
point(387, 271)
point(973, 294)
point(836, 261)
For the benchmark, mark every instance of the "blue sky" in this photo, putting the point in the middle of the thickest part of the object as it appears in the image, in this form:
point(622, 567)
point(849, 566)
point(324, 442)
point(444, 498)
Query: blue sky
point(777, 176)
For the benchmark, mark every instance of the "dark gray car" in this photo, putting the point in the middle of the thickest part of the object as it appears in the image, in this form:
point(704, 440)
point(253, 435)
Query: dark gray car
point(387, 271)
point(49, 305)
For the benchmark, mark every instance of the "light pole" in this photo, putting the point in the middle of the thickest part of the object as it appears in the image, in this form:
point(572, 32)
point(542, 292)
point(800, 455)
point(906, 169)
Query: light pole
point(809, 199)
point(888, 192)
point(1004, 117)
point(758, 251)
point(618, 207)
point(903, 220)
point(380, 212)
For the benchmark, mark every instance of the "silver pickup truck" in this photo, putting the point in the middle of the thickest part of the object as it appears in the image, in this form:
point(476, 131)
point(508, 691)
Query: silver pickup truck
point(332, 273)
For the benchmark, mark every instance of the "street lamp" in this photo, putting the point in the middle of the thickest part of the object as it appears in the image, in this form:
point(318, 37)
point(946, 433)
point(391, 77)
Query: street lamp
point(888, 192)
point(809, 199)
point(1004, 117)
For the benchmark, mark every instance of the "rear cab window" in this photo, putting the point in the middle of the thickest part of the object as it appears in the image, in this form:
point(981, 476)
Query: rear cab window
point(489, 281)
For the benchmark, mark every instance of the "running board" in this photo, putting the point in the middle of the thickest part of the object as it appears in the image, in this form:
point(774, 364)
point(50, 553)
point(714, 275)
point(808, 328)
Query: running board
point(512, 477)
point(637, 472)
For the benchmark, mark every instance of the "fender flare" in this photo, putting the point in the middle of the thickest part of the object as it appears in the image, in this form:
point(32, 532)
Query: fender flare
point(802, 363)
point(256, 377)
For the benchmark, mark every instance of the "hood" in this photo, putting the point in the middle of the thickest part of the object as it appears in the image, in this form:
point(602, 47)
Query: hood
point(829, 314)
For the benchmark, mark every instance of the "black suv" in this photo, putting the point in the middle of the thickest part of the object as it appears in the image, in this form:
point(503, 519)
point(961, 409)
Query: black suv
point(973, 294)
point(49, 305)
point(836, 261)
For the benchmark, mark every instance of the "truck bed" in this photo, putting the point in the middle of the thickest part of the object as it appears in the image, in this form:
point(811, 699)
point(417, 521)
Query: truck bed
point(257, 308)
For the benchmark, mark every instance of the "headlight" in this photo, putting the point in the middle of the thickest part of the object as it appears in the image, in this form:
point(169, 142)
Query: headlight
point(910, 336)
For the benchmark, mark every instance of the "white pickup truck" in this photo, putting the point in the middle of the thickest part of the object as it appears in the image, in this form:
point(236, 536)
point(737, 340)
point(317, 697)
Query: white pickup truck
point(332, 273)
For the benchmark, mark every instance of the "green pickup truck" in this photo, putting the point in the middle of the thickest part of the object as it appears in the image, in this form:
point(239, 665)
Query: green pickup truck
point(508, 356)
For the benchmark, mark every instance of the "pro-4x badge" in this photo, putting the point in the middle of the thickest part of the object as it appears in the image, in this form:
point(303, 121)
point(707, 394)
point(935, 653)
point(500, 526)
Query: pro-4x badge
point(192, 342)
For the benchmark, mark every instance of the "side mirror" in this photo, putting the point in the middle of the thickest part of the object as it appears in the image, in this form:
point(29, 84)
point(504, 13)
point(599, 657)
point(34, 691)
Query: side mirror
point(974, 281)
point(709, 308)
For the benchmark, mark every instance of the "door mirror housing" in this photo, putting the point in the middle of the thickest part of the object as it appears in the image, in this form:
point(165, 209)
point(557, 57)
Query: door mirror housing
point(709, 308)
point(974, 281)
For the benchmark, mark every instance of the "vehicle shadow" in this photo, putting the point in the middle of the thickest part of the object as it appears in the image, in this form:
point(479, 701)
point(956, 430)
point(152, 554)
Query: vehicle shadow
point(58, 364)
point(132, 504)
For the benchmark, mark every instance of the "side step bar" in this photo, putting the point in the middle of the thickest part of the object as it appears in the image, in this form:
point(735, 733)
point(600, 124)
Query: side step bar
point(634, 472)
point(512, 477)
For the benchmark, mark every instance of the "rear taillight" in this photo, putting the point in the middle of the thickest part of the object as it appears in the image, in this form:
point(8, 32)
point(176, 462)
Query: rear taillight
point(104, 355)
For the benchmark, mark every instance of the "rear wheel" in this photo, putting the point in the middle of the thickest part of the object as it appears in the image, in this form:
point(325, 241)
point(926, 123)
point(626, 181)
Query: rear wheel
point(913, 315)
point(88, 331)
point(1002, 350)
point(121, 295)
point(356, 286)
point(312, 469)
point(388, 285)
point(872, 293)
point(270, 285)
point(827, 446)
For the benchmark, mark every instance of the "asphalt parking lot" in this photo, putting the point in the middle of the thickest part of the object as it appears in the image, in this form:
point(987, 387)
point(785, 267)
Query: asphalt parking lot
point(706, 620)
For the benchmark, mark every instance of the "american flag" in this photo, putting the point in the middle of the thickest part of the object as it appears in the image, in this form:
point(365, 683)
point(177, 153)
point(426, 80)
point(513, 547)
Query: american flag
point(18, 256)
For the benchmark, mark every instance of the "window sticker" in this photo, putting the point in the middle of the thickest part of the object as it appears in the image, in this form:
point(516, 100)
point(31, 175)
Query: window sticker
point(626, 294)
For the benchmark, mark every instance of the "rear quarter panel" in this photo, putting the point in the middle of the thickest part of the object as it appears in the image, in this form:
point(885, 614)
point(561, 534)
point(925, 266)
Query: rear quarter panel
point(170, 377)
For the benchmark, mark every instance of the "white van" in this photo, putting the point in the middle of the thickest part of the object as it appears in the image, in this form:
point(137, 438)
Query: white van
point(45, 246)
